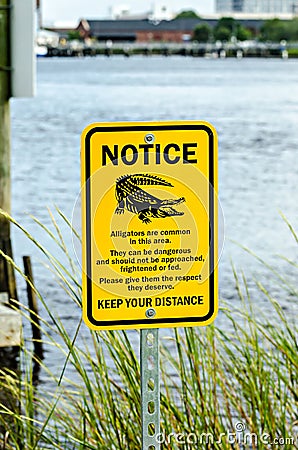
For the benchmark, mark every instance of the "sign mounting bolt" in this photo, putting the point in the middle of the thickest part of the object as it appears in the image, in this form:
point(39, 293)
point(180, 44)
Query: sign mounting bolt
point(149, 138)
point(150, 313)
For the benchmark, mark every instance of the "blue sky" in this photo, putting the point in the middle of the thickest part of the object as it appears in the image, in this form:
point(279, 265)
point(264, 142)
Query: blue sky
point(72, 10)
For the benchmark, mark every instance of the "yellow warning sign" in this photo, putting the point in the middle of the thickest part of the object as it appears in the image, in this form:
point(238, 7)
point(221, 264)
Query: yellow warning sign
point(149, 203)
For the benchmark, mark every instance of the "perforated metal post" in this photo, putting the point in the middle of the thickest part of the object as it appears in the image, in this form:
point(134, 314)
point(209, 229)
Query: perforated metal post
point(150, 388)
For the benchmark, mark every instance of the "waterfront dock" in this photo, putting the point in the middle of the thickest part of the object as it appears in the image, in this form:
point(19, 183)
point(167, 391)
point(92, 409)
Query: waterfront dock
point(193, 49)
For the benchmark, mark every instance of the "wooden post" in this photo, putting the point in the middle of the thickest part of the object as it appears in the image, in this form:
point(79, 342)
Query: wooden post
point(32, 302)
point(39, 16)
point(7, 276)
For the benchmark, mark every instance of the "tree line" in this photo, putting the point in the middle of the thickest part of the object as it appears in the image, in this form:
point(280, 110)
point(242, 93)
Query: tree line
point(227, 28)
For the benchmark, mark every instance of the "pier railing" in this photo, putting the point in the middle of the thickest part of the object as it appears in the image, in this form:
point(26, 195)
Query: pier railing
point(195, 49)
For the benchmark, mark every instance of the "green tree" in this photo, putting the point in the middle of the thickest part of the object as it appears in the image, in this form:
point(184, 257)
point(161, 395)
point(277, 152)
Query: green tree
point(227, 22)
point(222, 34)
point(275, 30)
point(74, 35)
point(293, 29)
point(202, 33)
point(243, 33)
point(227, 27)
point(187, 14)
point(224, 29)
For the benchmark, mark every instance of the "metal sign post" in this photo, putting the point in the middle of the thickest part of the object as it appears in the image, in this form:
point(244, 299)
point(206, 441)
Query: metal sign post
point(150, 388)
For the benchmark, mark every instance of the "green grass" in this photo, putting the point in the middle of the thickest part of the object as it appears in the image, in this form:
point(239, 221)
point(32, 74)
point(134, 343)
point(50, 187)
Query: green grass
point(212, 378)
point(293, 52)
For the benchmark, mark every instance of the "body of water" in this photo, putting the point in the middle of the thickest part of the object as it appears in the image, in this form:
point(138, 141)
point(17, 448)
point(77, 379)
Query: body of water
point(251, 102)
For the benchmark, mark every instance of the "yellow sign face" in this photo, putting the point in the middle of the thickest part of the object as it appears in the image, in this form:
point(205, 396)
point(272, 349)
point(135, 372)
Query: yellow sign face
point(149, 202)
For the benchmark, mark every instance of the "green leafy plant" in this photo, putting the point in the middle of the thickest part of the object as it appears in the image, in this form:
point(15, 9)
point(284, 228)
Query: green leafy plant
point(213, 378)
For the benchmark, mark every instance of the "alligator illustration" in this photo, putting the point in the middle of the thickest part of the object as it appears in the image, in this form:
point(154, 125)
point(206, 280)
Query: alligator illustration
point(130, 196)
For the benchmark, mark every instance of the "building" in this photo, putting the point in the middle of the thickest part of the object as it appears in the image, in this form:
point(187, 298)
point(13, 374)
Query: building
point(177, 30)
point(257, 6)
point(227, 6)
point(157, 13)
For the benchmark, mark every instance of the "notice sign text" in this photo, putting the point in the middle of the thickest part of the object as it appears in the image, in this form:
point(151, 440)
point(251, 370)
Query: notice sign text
point(149, 202)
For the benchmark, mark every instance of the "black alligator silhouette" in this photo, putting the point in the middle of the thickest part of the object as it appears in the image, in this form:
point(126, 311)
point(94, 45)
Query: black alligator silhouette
point(130, 196)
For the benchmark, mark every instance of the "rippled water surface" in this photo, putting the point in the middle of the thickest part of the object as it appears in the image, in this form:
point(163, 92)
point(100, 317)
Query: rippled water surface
point(252, 103)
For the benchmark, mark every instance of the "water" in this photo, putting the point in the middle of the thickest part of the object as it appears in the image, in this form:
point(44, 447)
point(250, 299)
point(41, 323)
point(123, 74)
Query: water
point(252, 103)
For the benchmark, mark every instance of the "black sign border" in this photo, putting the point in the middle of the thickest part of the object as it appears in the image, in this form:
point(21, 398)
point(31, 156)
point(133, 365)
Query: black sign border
point(147, 128)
